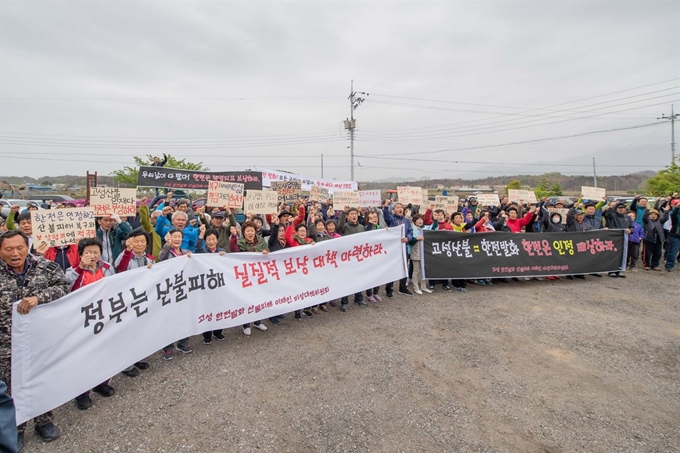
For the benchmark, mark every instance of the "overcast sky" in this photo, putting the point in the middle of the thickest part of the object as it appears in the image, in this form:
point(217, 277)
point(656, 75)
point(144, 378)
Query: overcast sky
point(85, 85)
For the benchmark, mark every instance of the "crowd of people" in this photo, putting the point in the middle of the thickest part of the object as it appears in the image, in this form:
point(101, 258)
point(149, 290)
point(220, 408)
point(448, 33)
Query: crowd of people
point(34, 273)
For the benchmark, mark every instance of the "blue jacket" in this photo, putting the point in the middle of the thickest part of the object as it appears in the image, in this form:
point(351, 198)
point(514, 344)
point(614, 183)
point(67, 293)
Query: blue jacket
point(163, 225)
point(116, 237)
point(637, 234)
point(393, 220)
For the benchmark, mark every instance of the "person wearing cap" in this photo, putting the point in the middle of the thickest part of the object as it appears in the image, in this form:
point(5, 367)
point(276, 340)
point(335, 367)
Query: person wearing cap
point(576, 221)
point(673, 244)
point(617, 219)
point(634, 240)
point(218, 223)
point(654, 237)
point(593, 215)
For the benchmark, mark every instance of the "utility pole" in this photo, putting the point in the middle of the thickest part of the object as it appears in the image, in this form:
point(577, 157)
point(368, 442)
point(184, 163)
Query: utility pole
point(351, 124)
point(322, 166)
point(594, 174)
point(672, 118)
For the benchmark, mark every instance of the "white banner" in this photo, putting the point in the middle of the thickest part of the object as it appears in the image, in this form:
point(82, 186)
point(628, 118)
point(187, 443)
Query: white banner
point(63, 348)
point(488, 199)
point(369, 198)
point(408, 194)
point(222, 194)
point(59, 227)
point(269, 176)
point(260, 202)
point(113, 200)
point(516, 195)
point(593, 193)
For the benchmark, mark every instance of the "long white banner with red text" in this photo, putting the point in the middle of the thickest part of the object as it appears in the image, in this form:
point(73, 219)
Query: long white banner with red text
point(61, 349)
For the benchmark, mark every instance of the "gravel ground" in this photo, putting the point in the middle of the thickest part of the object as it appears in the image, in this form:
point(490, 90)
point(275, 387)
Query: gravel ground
point(530, 366)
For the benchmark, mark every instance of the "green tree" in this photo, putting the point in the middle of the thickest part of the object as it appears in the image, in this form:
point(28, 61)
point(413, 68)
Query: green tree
point(555, 190)
point(542, 190)
point(128, 175)
point(515, 184)
point(665, 182)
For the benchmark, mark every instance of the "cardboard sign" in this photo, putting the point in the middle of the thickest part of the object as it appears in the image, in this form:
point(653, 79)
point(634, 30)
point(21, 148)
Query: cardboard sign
point(522, 195)
point(317, 193)
point(410, 195)
point(113, 200)
point(593, 193)
point(222, 194)
point(369, 198)
point(342, 199)
point(561, 211)
point(488, 199)
point(288, 191)
point(448, 204)
point(261, 202)
point(60, 227)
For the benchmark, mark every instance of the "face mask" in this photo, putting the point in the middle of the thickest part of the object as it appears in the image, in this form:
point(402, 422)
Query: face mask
point(555, 220)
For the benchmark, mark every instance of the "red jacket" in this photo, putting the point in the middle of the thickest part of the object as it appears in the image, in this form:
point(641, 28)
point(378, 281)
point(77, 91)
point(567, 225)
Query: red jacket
point(516, 225)
point(71, 254)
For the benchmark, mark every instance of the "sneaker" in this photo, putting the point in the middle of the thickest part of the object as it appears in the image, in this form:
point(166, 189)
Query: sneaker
point(260, 326)
point(344, 307)
point(246, 331)
point(669, 269)
point(622, 275)
point(274, 320)
point(430, 287)
point(447, 288)
point(132, 372)
point(371, 299)
point(597, 275)
point(83, 403)
point(184, 349)
point(315, 310)
point(142, 365)
point(47, 432)
point(461, 290)
point(333, 304)
point(613, 274)
point(646, 268)
point(104, 390)
point(298, 316)
point(377, 298)
point(390, 294)
point(488, 282)
point(307, 313)
point(361, 303)
point(168, 354)
point(405, 292)
point(207, 340)
point(218, 335)
point(426, 290)
point(20, 442)
point(417, 291)
point(323, 307)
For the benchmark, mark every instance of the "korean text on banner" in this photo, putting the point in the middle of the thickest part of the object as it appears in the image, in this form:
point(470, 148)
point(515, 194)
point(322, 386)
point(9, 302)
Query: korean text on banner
point(176, 178)
point(270, 176)
point(60, 227)
point(369, 198)
point(287, 191)
point(488, 199)
point(261, 202)
point(528, 196)
point(113, 200)
point(317, 193)
point(104, 327)
point(448, 254)
point(447, 203)
point(222, 194)
point(593, 193)
point(410, 195)
point(342, 199)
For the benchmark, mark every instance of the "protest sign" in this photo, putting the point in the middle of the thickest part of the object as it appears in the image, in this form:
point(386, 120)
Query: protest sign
point(448, 254)
point(270, 176)
point(261, 202)
point(369, 198)
point(561, 211)
point(410, 195)
point(593, 193)
point(60, 227)
point(317, 193)
point(447, 203)
point(222, 194)
point(342, 199)
point(488, 199)
point(287, 191)
point(174, 178)
point(113, 200)
point(104, 327)
point(516, 195)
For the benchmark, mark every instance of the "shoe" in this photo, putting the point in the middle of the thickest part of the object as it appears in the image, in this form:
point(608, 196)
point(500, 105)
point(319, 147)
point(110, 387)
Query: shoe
point(333, 304)
point(515, 279)
point(430, 287)
point(656, 269)
point(246, 331)
point(425, 290)
point(622, 275)
point(570, 277)
point(207, 340)
point(390, 295)
point(48, 432)
point(405, 292)
point(219, 336)
point(668, 269)
point(371, 299)
point(488, 282)
point(168, 354)
point(132, 372)
point(481, 282)
point(105, 390)
point(377, 298)
point(315, 310)
point(417, 291)
point(142, 365)
point(274, 320)
point(613, 274)
point(307, 313)
point(323, 307)
point(20, 442)
point(646, 268)
point(580, 277)
point(185, 349)
point(344, 307)
point(83, 403)
point(461, 290)
point(260, 326)
point(361, 303)
point(298, 316)
point(446, 288)
point(597, 275)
